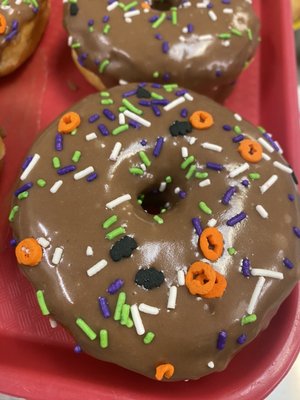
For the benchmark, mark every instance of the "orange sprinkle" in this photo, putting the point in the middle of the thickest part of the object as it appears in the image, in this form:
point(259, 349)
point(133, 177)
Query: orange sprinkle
point(3, 24)
point(211, 243)
point(29, 252)
point(219, 287)
point(250, 150)
point(68, 122)
point(145, 5)
point(164, 371)
point(200, 278)
point(201, 120)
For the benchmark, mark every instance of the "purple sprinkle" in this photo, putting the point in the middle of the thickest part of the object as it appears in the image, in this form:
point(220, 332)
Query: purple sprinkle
point(104, 307)
point(129, 93)
point(134, 124)
point(82, 57)
point(59, 142)
point(91, 22)
point(105, 18)
point(145, 103)
point(156, 85)
point(222, 336)
point(94, 118)
point(184, 113)
point(238, 138)
point(227, 127)
point(228, 195)
point(271, 141)
point(190, 28)
point(161, 102)
point(66, 170)
point(291, 197)
point(218, 73)
point(103, 129)
point(115, 286)
point(143, 142)
point(226, 1)
point(15, 25)
point(77, 349)
point(156, 110)
point(23, 188)
point(153, 18)
point(166, 77)
point(180, 92)
point(288, 263)
point(296, 231)
point(242, 338)
point(165, 47)
point(182, 194)
point(238, 218)
point(215, 166)
point(11, 35)
point(27, 162)
point(158, 36)
point(91, 177)
point(13, 242)
point(246, 267)
point(109, 114)
point(210, 5)
point(197, 225)
point(142, 84)
point(245, 182)
point(158, 146)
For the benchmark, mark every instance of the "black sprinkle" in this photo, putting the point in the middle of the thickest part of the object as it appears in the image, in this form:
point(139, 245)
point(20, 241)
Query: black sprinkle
point(74, 9)
point(180, 128)
point(294, 176)
point(142, 93)
point(123, 248)
point(149, 278)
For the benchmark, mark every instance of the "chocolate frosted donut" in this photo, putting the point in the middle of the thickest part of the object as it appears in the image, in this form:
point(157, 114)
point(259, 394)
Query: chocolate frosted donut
point(202, 45)
point(22, 24)
point(158, 227)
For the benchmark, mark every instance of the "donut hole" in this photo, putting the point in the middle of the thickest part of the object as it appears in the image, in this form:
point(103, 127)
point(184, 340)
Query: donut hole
point(164, 5)
point(154, 202)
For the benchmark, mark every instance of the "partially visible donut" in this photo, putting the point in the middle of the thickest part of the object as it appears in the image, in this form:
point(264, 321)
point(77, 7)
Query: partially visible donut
point(202, 45)
point(150, 200)
point(21, 27)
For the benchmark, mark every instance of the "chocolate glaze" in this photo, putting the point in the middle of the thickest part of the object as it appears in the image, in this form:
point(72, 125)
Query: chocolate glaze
point(72, 219)
point(208, 65)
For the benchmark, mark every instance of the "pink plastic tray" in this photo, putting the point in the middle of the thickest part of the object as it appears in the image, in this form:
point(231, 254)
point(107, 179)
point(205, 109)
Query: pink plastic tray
point(36, 361)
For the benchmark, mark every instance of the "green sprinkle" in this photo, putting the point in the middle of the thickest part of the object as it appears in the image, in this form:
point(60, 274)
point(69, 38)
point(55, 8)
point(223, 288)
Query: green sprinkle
point(120, 129)
point(168, 179)
point(103, 66)
point(187, 162)
point(163, 210)
point(254, 176)
point(149, 337)
point(75, 45)
point(191, 171)
point(136, 171)
point(106, 29)
point(236, 32)
point(74, 132)
point(116, 232)
point(131, 107)
point(121, 5)
point(125, 314)
point(159, 21)
point(42, 303)
point(104, 94)
point(23, 195)
point(56, 162)
point(204, 207)
point(130, 5)
point(91, 29)
point(41, 183)
point(129, 323)
point(158, 219)
point(106, 102)
point(144, 158)
point(261, 129)
point(155, 74)
point(174, 15)
point(109, 221)
point(250, 36)
point(103, 336)
point(12, 213)
point(76, 156)
point(156, 96)
point(231, 251)
point(120, 302)
point(224, 35)
point(86, 329)
point(237, 129)
point(170, 87)
point(248, 319)
point(201, 175)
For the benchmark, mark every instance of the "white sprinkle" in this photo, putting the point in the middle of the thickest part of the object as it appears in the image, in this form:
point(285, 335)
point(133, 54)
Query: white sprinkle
point(280, 148)
point(185, 30)
point(57, 255)
point(177, 190)
point(225, 43)
point(211, 365)
point(112, 6)
point(203, 4)
point(53, 323)
point(162, 186)
point(121, 119)
point(239, 170)
point(206, 37)
point(255, 295)
point(204, 183)
point(133, 13)
point(30, 167)
point(188, 97)
point(70, 40)
point(137, 118)
point(83, 173)
point(266, 157)
point(212, 222)
point(184, 152)
point(174, 103)
point(172, 297)
point(118, 201)
point(212, 15)
point(283, 167)
point(267, 273)
point(116, 151)
point(148, 309)
point(181, 277)
point(190, 139)
point(96, 268)
point(268, 184)
point(211, 146)
point(143, 167)
point(238, 117)
point(262, 211)
point(54, 188)
point(265, 144)
point(137, 320)
point(89, 251)
point(90, 136)
point(43, 242)
point(228, 11)
point(122, 82)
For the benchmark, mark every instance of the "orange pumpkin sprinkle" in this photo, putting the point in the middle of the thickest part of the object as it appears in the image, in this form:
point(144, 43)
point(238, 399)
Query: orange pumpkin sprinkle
point(164, 371)
point(250, 150)
point(200, 278)
point(29, 252)
point(211, 243)
point(201, 120)
point(68, 122)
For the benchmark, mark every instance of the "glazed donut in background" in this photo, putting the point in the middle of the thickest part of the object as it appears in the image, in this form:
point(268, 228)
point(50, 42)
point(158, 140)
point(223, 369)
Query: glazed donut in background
point(296, 13)
point(21, 27)
point(159, 228)
point(201, 45)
